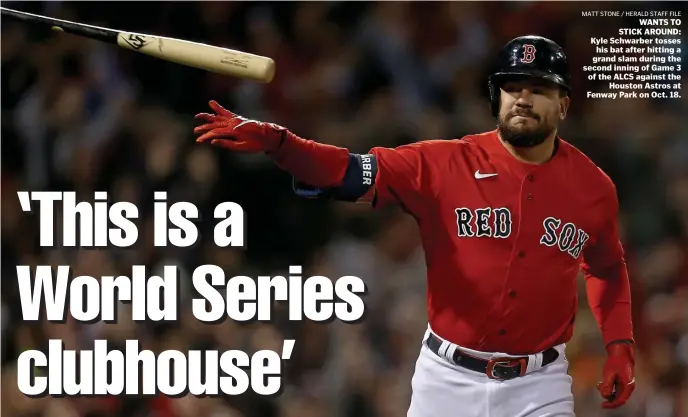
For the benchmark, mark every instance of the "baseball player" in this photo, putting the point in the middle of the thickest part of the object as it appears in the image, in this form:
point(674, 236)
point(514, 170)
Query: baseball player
point(508, 218)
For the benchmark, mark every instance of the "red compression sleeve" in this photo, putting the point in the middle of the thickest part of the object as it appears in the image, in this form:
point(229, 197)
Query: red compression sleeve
point(607, 282)
point(609, 297)
point(313, 163)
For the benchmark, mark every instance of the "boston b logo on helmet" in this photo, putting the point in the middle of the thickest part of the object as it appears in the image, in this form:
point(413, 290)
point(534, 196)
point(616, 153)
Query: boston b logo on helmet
point(533, 56)
point(528, 53)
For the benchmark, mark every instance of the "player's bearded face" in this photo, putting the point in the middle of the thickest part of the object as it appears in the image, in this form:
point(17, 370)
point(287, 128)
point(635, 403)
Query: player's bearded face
point(529, 113)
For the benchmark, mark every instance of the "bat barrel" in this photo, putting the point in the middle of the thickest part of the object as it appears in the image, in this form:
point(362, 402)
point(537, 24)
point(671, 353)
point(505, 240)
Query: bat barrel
point(211, 58)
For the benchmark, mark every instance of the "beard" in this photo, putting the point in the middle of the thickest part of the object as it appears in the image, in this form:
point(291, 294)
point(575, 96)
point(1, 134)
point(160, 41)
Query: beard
point(521, 135)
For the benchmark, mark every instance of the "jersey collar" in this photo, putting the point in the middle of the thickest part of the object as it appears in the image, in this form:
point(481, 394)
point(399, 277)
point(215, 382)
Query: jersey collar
point(496, 146)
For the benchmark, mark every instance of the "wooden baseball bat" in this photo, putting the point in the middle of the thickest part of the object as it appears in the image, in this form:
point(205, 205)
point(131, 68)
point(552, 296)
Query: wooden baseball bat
point(206, 57)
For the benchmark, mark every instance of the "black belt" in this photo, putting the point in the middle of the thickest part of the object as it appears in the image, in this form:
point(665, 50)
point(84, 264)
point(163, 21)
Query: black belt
point(498, 368)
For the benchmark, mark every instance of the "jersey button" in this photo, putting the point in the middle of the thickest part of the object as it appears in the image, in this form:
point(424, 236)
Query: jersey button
point(512, 294)
point(502, 332)
point(521, 254)
point(531, 178)
point(530, 196)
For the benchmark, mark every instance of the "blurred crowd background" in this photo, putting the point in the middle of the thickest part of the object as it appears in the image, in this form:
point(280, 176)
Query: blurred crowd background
point(83, 116)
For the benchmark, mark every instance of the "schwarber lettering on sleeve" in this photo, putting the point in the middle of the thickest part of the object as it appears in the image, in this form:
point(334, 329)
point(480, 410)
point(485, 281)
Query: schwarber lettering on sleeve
point(358, 180)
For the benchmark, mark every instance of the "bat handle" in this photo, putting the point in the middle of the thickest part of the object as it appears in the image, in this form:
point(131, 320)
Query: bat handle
point(89, 31)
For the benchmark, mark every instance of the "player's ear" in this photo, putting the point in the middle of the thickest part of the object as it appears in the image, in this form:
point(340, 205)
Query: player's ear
point(564, 103)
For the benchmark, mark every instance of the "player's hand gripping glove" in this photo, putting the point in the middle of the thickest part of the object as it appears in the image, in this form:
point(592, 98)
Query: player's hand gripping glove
point(618, 380)
point(231, 131)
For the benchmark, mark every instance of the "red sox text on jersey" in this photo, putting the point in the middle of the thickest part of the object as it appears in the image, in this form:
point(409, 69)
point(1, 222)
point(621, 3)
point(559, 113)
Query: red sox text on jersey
point(496, 223)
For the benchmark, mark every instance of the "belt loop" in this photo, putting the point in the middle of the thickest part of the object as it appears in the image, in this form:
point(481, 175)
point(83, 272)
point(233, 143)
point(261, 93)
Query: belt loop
point(444, 347)
point(534, 362)
point(451, 349)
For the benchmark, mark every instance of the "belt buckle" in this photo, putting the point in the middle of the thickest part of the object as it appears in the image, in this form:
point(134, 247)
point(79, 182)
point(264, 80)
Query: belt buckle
point(506, 368)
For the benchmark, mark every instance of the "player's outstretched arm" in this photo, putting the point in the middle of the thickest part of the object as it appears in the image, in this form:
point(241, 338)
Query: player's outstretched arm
point(320, 170)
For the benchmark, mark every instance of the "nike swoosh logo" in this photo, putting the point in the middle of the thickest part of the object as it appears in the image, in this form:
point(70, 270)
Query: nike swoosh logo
point(479, 176)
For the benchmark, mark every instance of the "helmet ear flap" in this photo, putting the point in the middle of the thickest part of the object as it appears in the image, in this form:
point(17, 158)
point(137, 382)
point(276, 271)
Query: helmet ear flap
point(494, 99)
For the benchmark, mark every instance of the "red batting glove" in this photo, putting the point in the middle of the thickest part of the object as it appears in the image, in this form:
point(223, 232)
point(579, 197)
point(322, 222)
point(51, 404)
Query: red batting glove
point(618, 380)
point(230, 131)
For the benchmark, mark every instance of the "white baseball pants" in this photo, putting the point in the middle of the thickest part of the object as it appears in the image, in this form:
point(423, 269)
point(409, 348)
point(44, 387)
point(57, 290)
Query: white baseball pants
point(443, 389)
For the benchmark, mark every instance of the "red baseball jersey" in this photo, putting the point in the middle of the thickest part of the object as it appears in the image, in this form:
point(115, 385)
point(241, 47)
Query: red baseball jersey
point(505, 240)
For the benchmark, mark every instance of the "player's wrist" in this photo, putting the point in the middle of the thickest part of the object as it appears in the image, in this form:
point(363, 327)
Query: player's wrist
point(626, 341)
point(623, 348)
point(285, 143)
